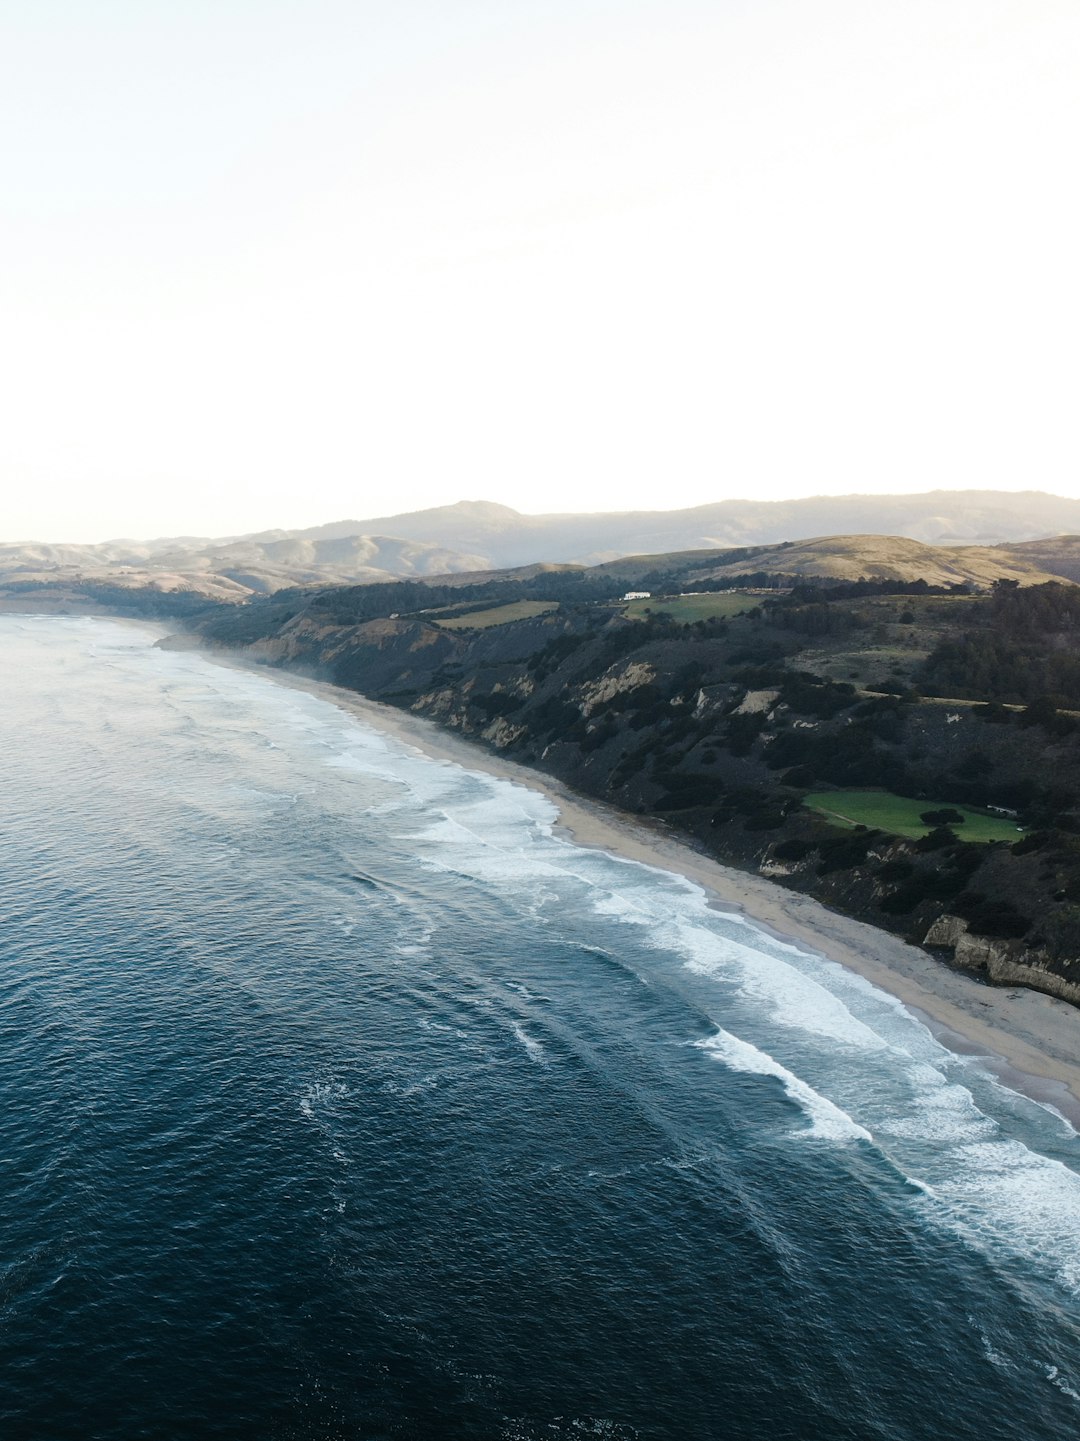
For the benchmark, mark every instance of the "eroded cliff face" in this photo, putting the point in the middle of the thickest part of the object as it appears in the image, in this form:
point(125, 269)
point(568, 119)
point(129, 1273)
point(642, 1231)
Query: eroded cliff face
point(1002, 962)
point(615, 681)
point(307, 640)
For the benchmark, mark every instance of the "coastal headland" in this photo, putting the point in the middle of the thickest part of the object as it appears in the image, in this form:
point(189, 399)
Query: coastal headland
point(905, 753)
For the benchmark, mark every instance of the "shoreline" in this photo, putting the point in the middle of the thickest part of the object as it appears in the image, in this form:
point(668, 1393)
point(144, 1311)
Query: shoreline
point(1030, 1042)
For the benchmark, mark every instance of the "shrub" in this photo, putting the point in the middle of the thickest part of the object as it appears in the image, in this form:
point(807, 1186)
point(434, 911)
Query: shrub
point(900, 901)
point(898, 869)
point(768, 820)
point(555, 717)
point(498, 703)
point(923, 885)
point(845, 852)
point(743, 731)
point(987, 917)
point(555, 652)
point(599, 735)
point(800, 777)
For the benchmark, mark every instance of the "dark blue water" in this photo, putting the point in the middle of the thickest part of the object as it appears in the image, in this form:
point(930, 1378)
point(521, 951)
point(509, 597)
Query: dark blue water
point(341, 1099)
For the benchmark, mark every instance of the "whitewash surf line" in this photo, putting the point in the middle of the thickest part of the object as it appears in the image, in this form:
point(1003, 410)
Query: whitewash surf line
point(967, 1172)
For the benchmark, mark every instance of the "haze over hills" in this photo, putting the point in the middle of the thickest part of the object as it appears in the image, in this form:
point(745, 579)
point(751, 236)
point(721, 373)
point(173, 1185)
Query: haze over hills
point(233, 569)
point(508, 538)
point(480, 536)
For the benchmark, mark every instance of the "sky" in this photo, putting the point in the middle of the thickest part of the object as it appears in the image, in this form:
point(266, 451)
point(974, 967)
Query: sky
point(279, 262)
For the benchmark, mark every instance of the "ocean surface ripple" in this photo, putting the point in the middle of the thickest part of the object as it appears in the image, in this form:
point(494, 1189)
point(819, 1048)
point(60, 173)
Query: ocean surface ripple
point(343, 1098)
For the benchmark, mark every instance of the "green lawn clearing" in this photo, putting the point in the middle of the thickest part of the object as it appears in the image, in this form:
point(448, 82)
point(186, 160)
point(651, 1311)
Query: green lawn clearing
point(880, 810)
point(498, 615)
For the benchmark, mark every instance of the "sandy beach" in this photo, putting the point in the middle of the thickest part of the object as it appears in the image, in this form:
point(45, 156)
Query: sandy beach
point(1031, 1042)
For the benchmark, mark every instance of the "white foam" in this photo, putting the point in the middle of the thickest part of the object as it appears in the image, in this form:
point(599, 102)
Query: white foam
point(855, 1062)
point(1000, 1190)
point(942, 1111)
point(321, 1095)
point(827, 1119)
point(623, 906)
point(793, 999)
point(1054, 1376)
point(992, 1355)
point(885, 1075)
point(412, 1088)
point(428, 1025)
point(534, 1049)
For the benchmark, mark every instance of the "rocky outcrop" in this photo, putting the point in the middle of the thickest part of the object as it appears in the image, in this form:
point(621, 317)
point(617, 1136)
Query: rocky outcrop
point(614, 683)
point(501, 733)
point(757, 702)
point(945, 933)
point(1002, 962)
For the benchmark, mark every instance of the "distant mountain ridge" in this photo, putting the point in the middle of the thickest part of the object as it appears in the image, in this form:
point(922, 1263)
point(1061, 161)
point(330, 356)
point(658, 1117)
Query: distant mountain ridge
point(509, 538)
point(1037, 530)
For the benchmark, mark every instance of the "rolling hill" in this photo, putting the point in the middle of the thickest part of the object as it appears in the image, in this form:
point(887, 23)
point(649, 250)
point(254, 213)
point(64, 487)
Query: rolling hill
point(883, 535)
point(885, 557)
point(1060, 554)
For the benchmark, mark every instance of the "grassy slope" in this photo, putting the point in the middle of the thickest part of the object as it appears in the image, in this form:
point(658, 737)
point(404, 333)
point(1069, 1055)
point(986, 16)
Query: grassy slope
point(688, 608)
point(888, 648)
point(899, 816)
point(888, 557)
point(498, 615)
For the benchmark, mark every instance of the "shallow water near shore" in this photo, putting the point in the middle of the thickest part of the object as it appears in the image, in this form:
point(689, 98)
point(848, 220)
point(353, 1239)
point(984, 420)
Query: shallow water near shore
point(344, 1097)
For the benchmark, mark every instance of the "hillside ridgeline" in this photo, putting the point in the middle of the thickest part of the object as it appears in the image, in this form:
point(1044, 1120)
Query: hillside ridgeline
point(174, 582)
point(480, 536)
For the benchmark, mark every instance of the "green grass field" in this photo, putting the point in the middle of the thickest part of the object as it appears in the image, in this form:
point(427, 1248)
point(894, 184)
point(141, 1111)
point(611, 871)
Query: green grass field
point(498, 615)
point(880, 810)
point(688, 608)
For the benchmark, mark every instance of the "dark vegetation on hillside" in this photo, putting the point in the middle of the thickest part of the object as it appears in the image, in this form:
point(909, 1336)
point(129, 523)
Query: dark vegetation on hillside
point(1027, 649)
point(720, 727)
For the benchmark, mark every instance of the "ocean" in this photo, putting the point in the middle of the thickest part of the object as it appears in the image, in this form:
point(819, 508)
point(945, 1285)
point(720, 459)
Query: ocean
point(342, 1097)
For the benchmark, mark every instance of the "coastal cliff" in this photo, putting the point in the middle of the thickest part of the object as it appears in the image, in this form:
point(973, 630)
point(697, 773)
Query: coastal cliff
point(722, 731)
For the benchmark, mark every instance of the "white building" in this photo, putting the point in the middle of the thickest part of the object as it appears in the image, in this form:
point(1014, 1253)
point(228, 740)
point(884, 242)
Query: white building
point(638, 595)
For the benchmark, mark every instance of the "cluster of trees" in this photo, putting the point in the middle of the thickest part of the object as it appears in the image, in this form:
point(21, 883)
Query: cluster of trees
point(1042, 610)
point(994, 666)
point(815, 588)
point(1019, 646)
point(817, 618)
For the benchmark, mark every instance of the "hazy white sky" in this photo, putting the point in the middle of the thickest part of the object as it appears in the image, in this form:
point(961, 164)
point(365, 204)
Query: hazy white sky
point(276, 262)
